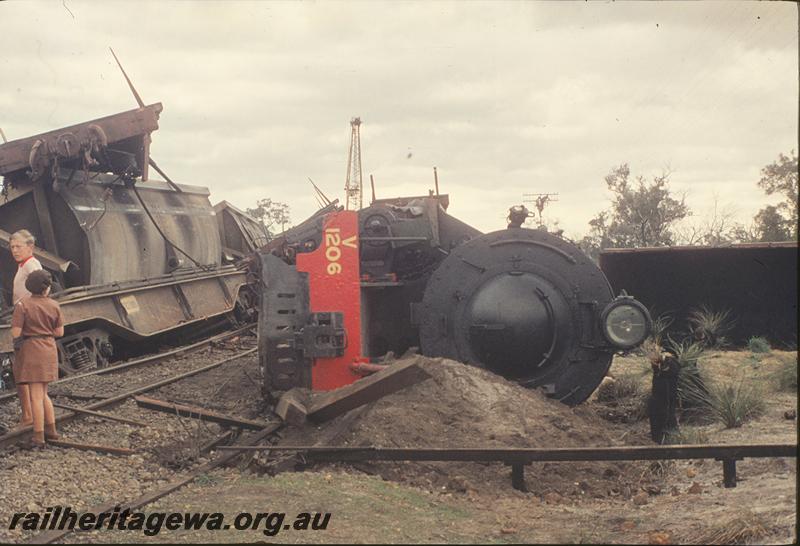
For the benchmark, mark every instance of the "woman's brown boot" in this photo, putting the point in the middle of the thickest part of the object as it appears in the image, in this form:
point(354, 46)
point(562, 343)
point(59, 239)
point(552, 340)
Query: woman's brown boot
point(50, 431)
point(38, 438)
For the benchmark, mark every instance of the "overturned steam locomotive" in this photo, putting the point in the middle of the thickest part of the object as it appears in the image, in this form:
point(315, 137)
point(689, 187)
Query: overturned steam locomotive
point(345, 286)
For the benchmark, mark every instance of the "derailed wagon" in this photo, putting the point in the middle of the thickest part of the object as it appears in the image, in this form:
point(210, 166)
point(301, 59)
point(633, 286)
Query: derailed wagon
point(136, 259)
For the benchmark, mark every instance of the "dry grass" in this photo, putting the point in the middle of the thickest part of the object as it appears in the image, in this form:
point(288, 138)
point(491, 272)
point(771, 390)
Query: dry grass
point(732, 367)
point(687, 436)
point(746, 528)
point(624, 387)
point(625, 398)
point(785, 375)
point(657, 469)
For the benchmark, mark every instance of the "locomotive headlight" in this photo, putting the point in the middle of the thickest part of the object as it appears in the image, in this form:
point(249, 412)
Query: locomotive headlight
point(626, 322)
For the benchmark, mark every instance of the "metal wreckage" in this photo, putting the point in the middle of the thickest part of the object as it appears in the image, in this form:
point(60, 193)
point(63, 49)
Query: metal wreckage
point(141, 262)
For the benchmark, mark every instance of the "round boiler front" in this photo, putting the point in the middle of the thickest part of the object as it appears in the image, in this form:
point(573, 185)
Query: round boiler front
point(513, 320)
point(524, 304)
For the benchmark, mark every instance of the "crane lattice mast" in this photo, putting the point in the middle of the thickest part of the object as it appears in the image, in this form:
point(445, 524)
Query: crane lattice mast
point(540, 200)
point(353, 186)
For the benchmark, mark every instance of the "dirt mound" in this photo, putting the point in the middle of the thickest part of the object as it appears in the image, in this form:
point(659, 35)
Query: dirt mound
point(464, 406)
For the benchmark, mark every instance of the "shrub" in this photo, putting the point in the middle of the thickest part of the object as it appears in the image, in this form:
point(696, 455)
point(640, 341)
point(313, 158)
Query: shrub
point(735, 403)
point(693, 400)
point(687, 352)
point(624, 398)
point(758, 344)
point(660, 326)
point(206, 479)
point(709, 327)
point(785, 374)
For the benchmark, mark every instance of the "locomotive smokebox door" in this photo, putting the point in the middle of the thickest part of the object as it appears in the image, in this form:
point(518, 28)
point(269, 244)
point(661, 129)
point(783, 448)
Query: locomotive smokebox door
point(528, 305)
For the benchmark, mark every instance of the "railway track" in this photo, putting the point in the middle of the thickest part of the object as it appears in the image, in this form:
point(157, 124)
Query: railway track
point(228, 457)
point(113, 385)
point(143, 454)
point(150, 359)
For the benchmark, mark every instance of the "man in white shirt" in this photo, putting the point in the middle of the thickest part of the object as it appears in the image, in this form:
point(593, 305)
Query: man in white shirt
point(21, 245)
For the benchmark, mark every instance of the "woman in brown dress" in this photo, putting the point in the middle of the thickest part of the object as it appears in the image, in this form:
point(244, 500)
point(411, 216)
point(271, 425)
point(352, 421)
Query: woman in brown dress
point(36, 322)
point(21, 245)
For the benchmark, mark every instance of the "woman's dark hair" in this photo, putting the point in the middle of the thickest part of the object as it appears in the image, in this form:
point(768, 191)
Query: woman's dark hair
point(38, 281)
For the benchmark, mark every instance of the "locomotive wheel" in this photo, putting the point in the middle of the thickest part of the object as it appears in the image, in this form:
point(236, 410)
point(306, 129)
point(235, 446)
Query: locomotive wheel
point(524, 304)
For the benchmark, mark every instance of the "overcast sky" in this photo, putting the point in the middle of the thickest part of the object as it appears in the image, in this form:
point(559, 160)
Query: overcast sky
point(505, 98)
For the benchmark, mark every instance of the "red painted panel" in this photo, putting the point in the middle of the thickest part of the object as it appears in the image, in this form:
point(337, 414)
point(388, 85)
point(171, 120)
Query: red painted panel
point(334, 285)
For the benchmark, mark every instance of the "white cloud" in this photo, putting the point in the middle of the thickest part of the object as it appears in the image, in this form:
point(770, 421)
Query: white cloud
point(505, 98)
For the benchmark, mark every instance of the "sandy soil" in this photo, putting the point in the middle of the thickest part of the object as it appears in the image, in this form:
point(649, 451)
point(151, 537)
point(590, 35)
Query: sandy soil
point(367, 509)
point(675, 502)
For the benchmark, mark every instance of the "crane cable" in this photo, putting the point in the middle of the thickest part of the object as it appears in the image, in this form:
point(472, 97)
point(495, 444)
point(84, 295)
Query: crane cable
point(163, 235)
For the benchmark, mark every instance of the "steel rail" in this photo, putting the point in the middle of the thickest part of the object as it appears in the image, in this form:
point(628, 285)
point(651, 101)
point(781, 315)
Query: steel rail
point(517, 458)
point(49, 537)
point(147, 359)
point(18, 434)
point(529, 455)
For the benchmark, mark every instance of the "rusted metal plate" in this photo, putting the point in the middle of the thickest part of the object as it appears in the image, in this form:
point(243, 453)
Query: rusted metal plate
point(15, 155)
point(45, 220)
